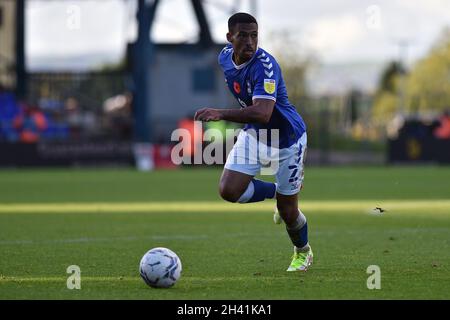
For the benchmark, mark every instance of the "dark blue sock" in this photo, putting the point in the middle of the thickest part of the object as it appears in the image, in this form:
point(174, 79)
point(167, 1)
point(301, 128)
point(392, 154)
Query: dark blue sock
point(258, 190)
point(263, 190)
point(299, 237)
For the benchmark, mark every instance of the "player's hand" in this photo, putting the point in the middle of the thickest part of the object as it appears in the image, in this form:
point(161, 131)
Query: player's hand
point(208, 114)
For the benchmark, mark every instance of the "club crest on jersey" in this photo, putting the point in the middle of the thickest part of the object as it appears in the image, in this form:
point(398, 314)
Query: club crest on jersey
point(269, 86)
point(237, 87)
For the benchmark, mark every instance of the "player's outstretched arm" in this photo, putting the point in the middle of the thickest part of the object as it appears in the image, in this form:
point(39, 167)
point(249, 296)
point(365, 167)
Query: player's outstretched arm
point(259, 112)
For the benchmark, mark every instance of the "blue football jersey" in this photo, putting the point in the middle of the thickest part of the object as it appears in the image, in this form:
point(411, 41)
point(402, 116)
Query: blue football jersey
point(260, 78)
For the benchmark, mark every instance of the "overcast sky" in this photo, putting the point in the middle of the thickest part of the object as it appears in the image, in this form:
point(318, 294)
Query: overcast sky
point(337, 31)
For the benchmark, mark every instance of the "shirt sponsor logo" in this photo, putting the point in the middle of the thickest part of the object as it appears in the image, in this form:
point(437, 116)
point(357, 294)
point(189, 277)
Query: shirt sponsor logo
point(242, 103)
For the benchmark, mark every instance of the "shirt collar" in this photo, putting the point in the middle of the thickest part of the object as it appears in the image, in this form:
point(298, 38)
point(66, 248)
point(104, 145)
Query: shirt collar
point(243, 65)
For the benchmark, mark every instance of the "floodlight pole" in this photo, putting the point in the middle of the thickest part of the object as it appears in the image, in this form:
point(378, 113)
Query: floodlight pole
point(205, 38)
point(21, 74)
point(143, 51)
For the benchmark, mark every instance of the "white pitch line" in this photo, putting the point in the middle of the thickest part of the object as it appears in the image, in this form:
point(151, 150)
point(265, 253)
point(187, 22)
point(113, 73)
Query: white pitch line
point(104, 239)
point(6, 279)
point(184, 237)
point(190, 237)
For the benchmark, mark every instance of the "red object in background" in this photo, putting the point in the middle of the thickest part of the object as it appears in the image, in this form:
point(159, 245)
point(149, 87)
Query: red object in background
point(443, 131)
point(30, 123)
point(194, 145)
point(161, 156)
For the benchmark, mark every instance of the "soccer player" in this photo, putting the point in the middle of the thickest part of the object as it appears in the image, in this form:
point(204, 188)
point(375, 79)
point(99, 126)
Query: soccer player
point(254, 78)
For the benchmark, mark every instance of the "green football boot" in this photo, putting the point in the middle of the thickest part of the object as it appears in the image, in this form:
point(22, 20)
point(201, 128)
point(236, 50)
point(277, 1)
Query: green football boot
point(301, 261)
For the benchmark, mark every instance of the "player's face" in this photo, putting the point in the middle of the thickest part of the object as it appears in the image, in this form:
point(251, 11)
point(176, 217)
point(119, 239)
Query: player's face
point(244, 38)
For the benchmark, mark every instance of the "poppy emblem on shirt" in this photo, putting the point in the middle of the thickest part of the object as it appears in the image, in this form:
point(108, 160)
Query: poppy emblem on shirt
point(237, 87)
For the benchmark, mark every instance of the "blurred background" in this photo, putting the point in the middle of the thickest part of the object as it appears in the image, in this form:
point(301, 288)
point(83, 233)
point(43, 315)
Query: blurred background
point(87, 83)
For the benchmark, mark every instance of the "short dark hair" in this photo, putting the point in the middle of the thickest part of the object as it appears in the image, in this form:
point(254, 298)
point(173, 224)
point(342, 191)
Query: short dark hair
point(240, 17)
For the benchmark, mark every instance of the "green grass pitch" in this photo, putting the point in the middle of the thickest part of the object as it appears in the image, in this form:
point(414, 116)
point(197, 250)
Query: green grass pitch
point(105, 220)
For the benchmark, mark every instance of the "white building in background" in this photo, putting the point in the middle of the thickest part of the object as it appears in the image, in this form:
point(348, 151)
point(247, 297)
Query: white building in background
point(184, 78)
